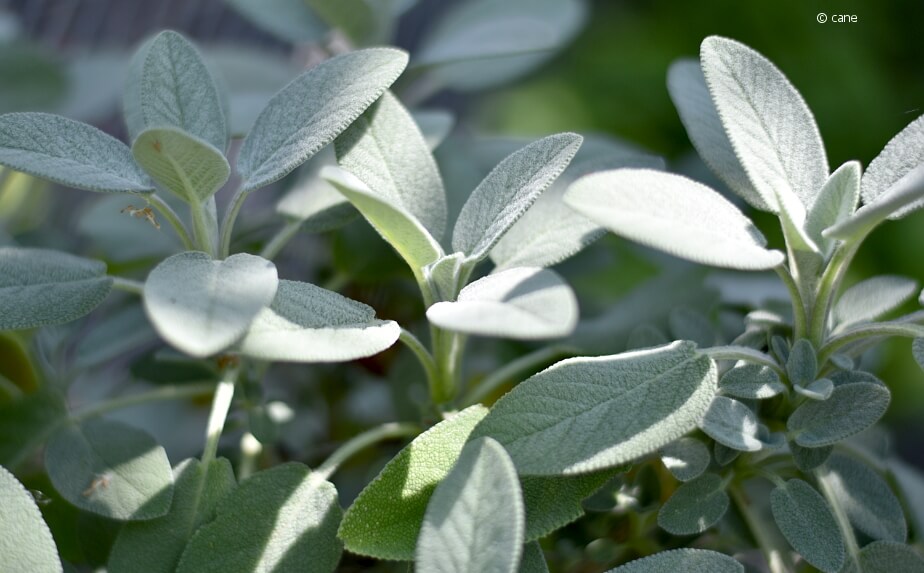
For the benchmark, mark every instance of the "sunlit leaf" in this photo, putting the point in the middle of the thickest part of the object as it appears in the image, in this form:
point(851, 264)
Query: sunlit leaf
point(752, 382)
point(899, 157)
point(189, 167)
point(686, 458)
point(25, 541)
point(732, 424)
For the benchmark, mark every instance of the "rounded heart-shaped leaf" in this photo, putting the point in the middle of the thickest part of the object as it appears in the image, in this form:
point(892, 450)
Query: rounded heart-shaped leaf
point(686, 458)
point(190, 168)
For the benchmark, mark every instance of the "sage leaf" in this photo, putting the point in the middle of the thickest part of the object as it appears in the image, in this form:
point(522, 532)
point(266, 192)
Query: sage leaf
point(866, 498)
point(25, 540)
point(509, 190)
point(111, 469)
point(910, 482)
point(68, 152)
point(899, 157)
point(802, 364)
point(695, 507)
point(306, 323)
point(533, 560)
point(283, 519)
point(820, 389)
point(475, 518)
point(732, 424)
point(849, 410)
point(724, 455)
point(26, 423)
point(314, 109)
point(586, 414)
point(39, 287)
point(188, 167)
point(169, 85)
point(686, 458)
point(202, 306)
point(690, 94)
point(673, 214)
point(895, 202)
point(555, 501)
point(445, 276)
point(771, 128)
point(807, 459)
point(917, 349)
point(291, 20)
point(872, 298)
point(836, 202)
point(682, 560)
point(385, 149)
point(435, 125)
point(156, 546)
point(384, 520)
point(886, 557)
point(751, 382)
point(807, 523)
point(521, 303)
point(315, 201)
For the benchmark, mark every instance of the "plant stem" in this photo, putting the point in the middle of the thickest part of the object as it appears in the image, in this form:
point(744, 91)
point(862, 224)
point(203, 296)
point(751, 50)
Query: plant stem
point(798, 303)
point(202, 229)
point(447, 351)
point(128, 285)
point(423, 356)
point(778, 558)
point(251, 448)
point(280, 239)
point(221, 403)
point(843, 523)
point(351, 447)
point(827, 290)
point(171, 392)
point(170, 215)
point(510, 371)
point(746, 354)
point(227, 223)
point(874, 329)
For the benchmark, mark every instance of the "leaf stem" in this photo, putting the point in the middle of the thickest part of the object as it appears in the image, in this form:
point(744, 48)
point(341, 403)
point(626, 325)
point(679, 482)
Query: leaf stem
point(351, 447)
point(423, 356)
point(843, 522)
point(128, 285)
point(447, 353)
point(227, 222)
point(171, 216)
point(202, 229)
point(527, 363)
point(746, 354)
point(798, 303)
point(778, 558)
point(221, 403)
point(874, 329)
point(827, 290)
point(171, 392)
point(280, 239)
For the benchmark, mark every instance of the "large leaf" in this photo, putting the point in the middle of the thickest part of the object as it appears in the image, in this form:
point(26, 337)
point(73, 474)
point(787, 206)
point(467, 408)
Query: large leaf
point(806, 520)
point(155, 546)
point(695, 507)
point(306, 323)
point(314, 109)
point(585, 414)
point(686, 458)
point(849, 410)
point(836, 202)
point(555, 501)
point(673, 214)
point(682, 561)
point(509, 190)
point(283, 519)
point(70, 153)
point(899, 157)
point(109, 468)
point(169, 85)
point(25, 541)
point(385, 519)
point(39, 287)
point(771, 128)
point(203, 306)
point(732, 424)
point(522, 303)
point(185, 165)
point(895, 202)
point(291, 20)
point(872, 298)
point(385, 150)
point(475, 518)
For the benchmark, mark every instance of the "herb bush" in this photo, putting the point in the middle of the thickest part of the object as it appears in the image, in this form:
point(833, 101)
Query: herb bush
point(692, 455)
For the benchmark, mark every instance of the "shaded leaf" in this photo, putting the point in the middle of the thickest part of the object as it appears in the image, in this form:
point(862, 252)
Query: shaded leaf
point(910, 482)
point(291, 20)
point(190, 168)
point(851, 409)
point(25, 541)
point(555, 501)
point(807, 459)
point(808, 524)
point(120, 237)
point(732, 424)
point(888, 557)
point(27, 422)
point(533, 560)
point(682, 560)
point(695, 507)
point(872, 298)
point(690, 324)
point(802, 364)
point(315, 201)
point(917, 349)
point(751, 382)
point(435, 125)
point(686, 458)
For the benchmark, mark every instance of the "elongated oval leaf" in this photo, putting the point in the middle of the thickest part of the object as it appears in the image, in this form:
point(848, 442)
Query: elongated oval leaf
point(872, 298)
point(25, 541)
point(673, 214)
point(533, 560)
point(802, 364)
point(509, 190)
point(751, 382)
point(169, 85)
point(109, 468)
point(585, 414)
point(695, 507)
point(732, 424)
point(306, 323)
point(808, 524)
point(899, 157)
point(522, 303)
point(203, 306)
point(686, 458)
point(39, 287)
point(836, 202)
point(682, 560)
point(807, 459)
point(155, 546)
point(475, 518)
point(902, 197)
point(190, 168)
point(283, 519)
point(771, 128)
point(385, 150)
point(385, 519)
point(910, 484)
point(68, 152)
point(314, 109)
point(851, 409)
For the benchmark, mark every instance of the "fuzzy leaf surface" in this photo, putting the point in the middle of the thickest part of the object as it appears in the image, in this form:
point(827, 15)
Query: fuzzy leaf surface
point(872, 298)
point(887, 557)
point(901, 155)
point(802, 364)
point(732, 424)
point(751, 382)
point(851, 409)
point(533, 560)
point(190, 168)
point(895, 202)
point(695, 507)
point(808, 524)
point(686, 458)
point(682, 560)
point(910, 482)
point(555, 501)
point(25, 540)
point(836, 202)
point(917, 349)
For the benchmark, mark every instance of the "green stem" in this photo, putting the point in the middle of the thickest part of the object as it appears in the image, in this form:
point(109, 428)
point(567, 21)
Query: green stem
point(128, 285)
point(423, 356)
point(447, 352)
point(351, 447)
point(798, 303)
point(280, 239)
point(778, 557)
point(827, 290)
point(170, 215)
point(251, 448)
point(227, 223)
point(171, 392)
point(843, 523)
point(202, 229)
point(746, 354)
point(875, 329)
point(527, 363)
point(221, 403)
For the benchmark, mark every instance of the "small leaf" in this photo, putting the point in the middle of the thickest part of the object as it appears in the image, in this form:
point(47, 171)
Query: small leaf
point(899, 157)
point(306, 323)
point(533, 560)
point(836, 202)
point(851, 409)
point(314, 109)
point(283, 519)
point(866, 498)
point(155, 546)
point(509, 190)
point(25, 541)
point(188, 167)
point(555, 501)
point(808, 524)
point(169, 85)
point(475, 518)
point(872, 298)
point(724, 455)
point(68, 152)
point(203, 306)
point(732, 424)
point(695, 507)
point(917, 349)
point(802, 364)
point(291, 20)
point(686, 458)
point(818, 390)
point(402, 490)
point(39, 287)
point(673, 214)
point(807, 459)
point(111, 469)
point(751, 382)
point(682, 561)
point(521, 303)
point(888, 557)
point(904, 196)
point(585, 414)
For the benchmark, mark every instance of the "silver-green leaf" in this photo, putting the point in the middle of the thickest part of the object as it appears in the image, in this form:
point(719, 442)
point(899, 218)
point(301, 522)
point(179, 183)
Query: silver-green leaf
point(751, 382)
point(732, 424)
point(25, 541)
point(808, 524)
point(899, 157)
point(895, 202)
point(695, 507)
point(533, 560)
point(189, 167)
point(887, 557)
point(872, 298)
point(802, 364)
point(849, 410)
point(836, 202)
point(686, 458)
point(682, 561)
point(917, 349)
